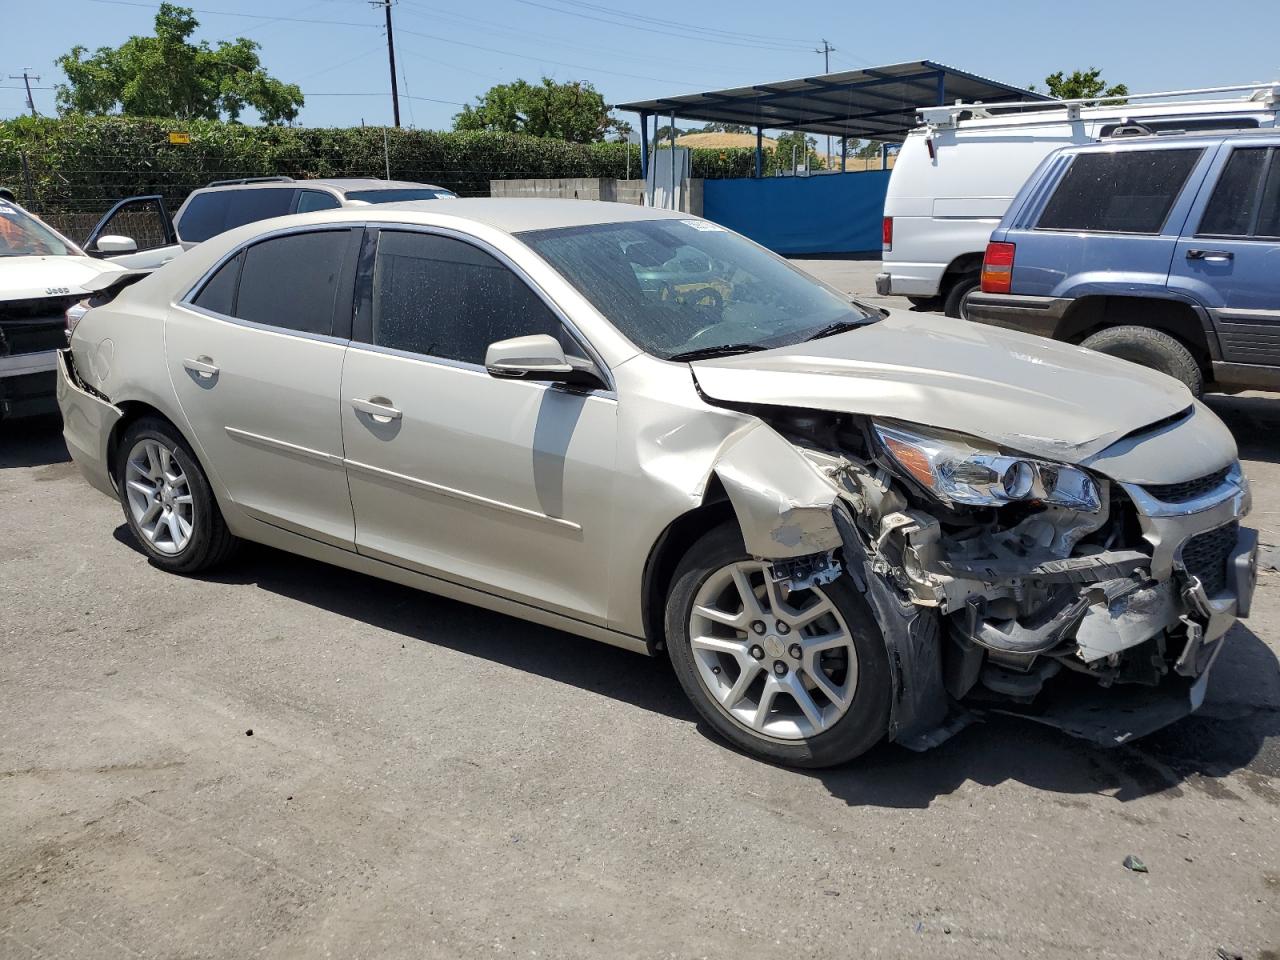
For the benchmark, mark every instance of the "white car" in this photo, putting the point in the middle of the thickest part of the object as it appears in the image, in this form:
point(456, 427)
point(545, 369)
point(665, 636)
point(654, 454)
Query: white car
point(842, 523)
point(137, 232)
point(42, 275)
point(956, 175)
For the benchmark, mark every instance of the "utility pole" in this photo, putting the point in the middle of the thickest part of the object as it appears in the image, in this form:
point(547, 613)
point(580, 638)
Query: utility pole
point(391, 58)
point(26, 77)
point(826, 50)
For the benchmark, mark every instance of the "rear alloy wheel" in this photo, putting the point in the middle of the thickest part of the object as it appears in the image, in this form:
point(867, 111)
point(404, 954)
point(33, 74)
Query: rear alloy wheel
point(167, 501)
point(792, 676)
point(1151, 348)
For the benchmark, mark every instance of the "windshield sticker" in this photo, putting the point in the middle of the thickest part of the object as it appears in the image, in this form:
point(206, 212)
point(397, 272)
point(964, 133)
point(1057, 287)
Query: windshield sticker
point(8, 210)
point(704, 226)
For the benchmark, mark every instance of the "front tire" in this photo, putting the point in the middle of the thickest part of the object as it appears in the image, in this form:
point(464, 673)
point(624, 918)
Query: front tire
point(799, 678)
point(168, 504)
point(1151, 348)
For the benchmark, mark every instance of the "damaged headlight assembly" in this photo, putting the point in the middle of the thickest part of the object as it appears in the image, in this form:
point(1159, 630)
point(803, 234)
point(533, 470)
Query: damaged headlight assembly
point(959, 469)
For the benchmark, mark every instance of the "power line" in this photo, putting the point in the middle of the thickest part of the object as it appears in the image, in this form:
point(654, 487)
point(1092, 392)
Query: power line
point(684, 26)
point(249, 16)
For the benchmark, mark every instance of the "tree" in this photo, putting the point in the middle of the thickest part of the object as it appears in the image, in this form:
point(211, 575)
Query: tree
point(804, 148)
point(166, 76)
point(1083, 85)
point(564, 111)
point(725, 128)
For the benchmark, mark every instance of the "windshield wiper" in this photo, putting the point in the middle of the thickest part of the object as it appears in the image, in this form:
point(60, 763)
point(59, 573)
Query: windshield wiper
point(719, 350)
point(840, 326)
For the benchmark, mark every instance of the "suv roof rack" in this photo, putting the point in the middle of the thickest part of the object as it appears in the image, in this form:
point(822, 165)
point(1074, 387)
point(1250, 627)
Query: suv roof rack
point(1266, 93)
point(242, 180)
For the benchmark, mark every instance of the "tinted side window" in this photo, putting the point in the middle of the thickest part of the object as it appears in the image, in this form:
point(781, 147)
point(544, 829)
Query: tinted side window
point(1128, 191)
point(1230, 209)
point(250, 206)
point(204, 217)
point(292, 281)
point(309, 200)
point(219, 293)
point(441, 297)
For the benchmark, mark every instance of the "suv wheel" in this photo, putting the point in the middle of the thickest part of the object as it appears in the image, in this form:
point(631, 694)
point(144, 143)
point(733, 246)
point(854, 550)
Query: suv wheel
point(796, 677)
point(956, 304)
point(1152, 348)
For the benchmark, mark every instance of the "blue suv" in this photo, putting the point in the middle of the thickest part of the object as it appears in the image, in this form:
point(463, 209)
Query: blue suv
point(1162, 250)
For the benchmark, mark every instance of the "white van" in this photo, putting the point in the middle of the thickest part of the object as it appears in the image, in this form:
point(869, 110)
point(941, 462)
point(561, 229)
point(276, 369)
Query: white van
point(956, 174)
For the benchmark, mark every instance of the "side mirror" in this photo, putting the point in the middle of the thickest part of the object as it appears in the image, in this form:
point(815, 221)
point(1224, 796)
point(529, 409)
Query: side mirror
point(538, 357)
point(116, 244)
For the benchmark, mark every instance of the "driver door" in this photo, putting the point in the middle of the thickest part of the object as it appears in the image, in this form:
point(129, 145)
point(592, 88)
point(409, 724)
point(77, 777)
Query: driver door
point(501, 485)
point(145, 221)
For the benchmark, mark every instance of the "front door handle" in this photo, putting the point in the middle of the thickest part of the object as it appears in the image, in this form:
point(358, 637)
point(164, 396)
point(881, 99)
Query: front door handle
point(379, 408)
point(202, 367)
point(1213, 256)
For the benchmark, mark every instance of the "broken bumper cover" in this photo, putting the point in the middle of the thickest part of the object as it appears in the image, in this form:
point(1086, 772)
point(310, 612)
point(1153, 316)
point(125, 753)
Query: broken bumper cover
point(87, 422)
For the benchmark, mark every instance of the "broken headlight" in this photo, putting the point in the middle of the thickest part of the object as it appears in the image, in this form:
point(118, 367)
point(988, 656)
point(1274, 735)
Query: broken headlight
point(959, 469)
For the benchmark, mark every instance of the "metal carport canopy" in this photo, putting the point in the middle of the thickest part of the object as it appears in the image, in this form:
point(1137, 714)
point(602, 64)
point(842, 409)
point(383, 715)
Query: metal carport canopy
point(875, 103)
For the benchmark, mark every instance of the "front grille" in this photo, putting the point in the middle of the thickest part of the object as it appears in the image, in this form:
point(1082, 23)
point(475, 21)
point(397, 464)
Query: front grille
point(31, 326)
point(1205, 556)
point(1188, 489)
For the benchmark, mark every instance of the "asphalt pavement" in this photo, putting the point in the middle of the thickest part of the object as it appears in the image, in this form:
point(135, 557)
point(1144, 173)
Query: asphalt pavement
point(289, 760)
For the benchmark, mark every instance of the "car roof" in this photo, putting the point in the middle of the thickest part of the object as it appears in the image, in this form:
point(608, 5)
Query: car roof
point(508, 214)
point(341, 184)
point(1265, 136)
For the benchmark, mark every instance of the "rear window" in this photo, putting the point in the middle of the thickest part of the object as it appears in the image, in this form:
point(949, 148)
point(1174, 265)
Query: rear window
point(209, 214)
point(203, 217)
point(1230, 209)
point(292, 281)
point(1127, 191)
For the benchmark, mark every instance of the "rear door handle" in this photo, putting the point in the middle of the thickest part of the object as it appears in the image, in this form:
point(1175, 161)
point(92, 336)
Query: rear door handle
point(1214, 256)
point(201, 367)
point(379, 408)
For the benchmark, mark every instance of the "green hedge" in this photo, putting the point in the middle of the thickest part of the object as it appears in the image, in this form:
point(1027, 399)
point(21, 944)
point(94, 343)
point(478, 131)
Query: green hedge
point(84, 163)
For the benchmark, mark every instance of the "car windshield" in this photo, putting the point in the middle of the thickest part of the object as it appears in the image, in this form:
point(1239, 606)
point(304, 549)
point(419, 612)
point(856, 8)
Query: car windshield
point(394, 195)
point(682, 288)
point(21, 235)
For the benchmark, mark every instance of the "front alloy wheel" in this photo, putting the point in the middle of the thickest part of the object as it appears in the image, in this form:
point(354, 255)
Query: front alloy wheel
point(792, 676)
point(780, 663)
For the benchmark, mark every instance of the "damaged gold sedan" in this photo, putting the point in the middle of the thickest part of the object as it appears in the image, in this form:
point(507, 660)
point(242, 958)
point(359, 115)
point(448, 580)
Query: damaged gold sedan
point(841, 523)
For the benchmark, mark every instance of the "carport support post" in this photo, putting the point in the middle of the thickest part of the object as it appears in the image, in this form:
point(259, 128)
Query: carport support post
point(844, 152)
point(759, 151)
point(884, 156)
point(644, 146)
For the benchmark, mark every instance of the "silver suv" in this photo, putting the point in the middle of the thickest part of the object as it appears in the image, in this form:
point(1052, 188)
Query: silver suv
point(140, 235)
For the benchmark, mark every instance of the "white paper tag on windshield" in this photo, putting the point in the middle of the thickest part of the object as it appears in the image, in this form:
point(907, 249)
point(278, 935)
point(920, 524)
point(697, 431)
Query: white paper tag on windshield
point(704, 225)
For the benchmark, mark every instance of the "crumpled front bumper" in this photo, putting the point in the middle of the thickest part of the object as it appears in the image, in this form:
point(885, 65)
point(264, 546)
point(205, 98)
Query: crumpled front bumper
point(87, 422)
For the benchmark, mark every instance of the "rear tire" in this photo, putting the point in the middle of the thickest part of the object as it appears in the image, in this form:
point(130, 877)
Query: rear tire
point(168, 503)
point(1151, 348)
point(956, 304)
point(820, 652)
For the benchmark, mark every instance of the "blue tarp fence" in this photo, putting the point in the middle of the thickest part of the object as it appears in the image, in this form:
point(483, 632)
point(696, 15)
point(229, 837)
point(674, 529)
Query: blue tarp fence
point(828, 213)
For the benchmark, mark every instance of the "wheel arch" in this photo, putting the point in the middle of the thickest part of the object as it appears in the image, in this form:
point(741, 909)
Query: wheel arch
point(964, 265)
point(1180, 319)
point(133, 411)
point(669, 549)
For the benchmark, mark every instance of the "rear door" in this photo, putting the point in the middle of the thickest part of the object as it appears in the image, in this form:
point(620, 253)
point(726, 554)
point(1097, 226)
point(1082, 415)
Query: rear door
point(1114, 216)
point(1230, 257)
point(255, 356)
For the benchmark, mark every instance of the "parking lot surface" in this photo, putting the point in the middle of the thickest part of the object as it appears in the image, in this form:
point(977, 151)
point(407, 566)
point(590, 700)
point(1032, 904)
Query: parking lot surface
point(289, 760)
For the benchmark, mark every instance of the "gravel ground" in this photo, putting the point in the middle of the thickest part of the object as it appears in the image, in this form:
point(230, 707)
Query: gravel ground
point(288, 760)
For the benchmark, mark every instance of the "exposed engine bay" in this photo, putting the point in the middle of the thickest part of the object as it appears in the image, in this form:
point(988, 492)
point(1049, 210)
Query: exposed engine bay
point(999, 578)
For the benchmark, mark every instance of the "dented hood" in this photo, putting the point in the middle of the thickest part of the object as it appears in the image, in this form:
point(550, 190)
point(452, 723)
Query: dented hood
point(1034, 395)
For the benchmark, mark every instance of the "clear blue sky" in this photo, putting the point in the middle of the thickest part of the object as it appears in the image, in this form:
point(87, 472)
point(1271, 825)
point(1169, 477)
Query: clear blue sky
point(452, 51)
